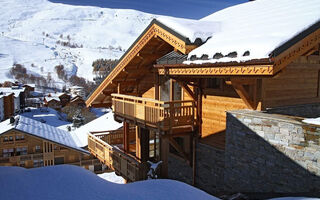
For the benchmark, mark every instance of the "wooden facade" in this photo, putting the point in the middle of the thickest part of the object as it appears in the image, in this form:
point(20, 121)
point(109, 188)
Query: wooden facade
point(20, 149)
point(179, 103)
point(8, 105)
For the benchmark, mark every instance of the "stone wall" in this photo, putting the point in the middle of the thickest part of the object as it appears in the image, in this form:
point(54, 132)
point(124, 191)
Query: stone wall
point(305, 110)
point(267, 153)
point(210, 169)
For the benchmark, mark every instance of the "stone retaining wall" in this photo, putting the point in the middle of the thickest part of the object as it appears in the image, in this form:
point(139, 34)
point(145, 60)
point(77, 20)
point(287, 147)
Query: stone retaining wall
point(271, 153)
point(210, 169)
point(304, 110)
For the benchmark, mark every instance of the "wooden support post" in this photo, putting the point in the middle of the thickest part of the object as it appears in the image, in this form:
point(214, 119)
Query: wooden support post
point(119, 88)
point(164, 153)
point(199, 107)
point(126, 137)
point(156, 86)
point(144, 144)
point(171, 90)
point(194, 158)
point(138, 154)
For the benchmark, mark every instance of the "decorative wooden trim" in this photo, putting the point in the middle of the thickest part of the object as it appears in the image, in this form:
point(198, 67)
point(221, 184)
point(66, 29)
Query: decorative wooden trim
point(300, 48)
point(153, 31)
point(225, 70)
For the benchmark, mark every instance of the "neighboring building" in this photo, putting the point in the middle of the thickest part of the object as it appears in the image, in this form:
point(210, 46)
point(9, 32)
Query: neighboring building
point(29, 89)
point(77, 101)
point(257, 56)
point(1, 108)
point(8, 104)
point(64, 98)
point(29, 143)
point(19, 96)
point(77, 91)
point(52, 102)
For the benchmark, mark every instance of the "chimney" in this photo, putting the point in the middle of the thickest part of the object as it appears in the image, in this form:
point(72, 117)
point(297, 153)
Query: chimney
point(12, 120)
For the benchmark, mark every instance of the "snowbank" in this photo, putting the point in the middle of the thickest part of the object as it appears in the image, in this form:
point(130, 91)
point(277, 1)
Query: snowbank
point(72, 182)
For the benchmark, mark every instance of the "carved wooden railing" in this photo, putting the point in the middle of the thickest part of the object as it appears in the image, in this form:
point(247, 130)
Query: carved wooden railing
point(124, 164)
point(163, 115)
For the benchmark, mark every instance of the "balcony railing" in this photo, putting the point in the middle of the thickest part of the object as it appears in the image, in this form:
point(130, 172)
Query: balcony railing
point(163, 115)
point(112, 156)
point(115, 136)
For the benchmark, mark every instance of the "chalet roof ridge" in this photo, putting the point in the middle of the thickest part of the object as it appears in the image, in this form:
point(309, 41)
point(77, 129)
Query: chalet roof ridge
point(181, 47)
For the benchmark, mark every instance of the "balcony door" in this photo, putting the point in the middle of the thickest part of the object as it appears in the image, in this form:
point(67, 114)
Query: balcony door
point(170, 90)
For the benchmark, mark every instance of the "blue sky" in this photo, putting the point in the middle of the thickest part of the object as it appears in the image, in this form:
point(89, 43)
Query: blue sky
point(194, 9)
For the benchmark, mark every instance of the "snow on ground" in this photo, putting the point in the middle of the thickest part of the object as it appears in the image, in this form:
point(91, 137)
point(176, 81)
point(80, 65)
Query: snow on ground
point(104, 123)
point(30, 30)
point(47, 115)
point(315, 121)
point(112, 177)
point(295, 198)
point(72, 182)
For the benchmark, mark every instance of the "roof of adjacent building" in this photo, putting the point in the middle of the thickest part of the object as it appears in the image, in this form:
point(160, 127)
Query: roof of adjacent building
point(253, 30)
point(9, 90)
point(41, 130)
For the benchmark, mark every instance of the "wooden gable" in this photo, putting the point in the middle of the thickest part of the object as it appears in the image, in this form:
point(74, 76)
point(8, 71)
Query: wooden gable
point(132, 73)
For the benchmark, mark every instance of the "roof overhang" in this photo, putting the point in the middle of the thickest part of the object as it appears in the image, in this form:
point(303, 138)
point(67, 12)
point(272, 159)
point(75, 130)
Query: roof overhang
point(155, 41)
point(262, 68)
point(303, 44)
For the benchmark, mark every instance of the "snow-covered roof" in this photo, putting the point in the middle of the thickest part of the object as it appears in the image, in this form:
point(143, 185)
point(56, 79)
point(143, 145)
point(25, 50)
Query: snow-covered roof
point(104, 123)
point(191, 29)
point(9, 90)
point(55, 98)
point(252, 30)
point(42, 130)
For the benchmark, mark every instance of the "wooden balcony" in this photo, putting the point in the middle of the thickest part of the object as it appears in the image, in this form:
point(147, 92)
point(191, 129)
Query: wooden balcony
point(106, 146)
point(161, 115)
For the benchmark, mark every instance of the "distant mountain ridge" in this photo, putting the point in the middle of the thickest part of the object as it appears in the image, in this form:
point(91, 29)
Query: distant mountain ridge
point(41, 35)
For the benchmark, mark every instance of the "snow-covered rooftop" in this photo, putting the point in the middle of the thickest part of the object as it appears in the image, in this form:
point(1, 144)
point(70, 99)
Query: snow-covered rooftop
point(104, 123)
point(55, 98)
point(9, 90)
point(247, 31)
point(42, 130)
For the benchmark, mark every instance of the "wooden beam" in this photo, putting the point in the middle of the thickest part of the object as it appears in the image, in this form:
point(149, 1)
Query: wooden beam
point(179, 149)
point(238, 86)
point(126, 137)
point(187, 90)
point(164, 153)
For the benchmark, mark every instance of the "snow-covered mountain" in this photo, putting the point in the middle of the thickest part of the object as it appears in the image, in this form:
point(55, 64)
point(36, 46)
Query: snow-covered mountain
point(40, 35)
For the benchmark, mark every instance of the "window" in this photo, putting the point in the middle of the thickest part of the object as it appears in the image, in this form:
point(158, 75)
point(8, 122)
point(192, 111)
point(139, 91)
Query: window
point(7, 152)
point(37, 149)
point(19, 137)
point(38, 163)
point(21, 151)
point(22, 164)
point(5, 139)
point(10, 138)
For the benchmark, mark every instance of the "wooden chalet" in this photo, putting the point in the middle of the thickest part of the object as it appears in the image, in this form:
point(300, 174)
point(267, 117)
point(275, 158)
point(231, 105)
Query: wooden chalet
point(168, 103)
point(28, 143)
point(8, 105)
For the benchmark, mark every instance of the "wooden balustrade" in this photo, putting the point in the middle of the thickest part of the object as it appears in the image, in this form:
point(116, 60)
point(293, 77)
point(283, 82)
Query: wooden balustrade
point(159, 114)
point(124, 164)
point(115, 136)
